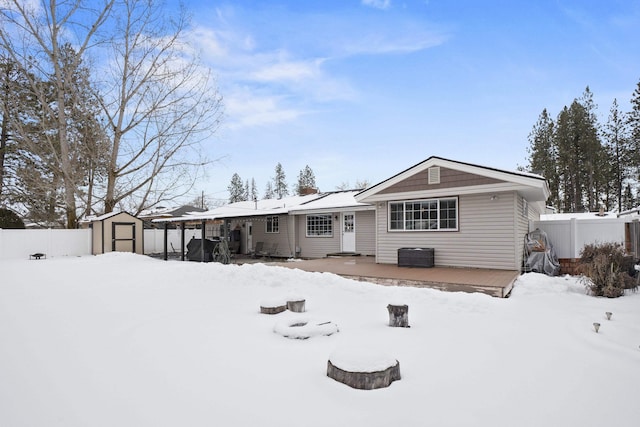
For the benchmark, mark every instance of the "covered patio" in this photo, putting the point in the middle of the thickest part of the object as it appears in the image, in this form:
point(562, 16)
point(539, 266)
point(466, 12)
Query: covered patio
point(497, 283)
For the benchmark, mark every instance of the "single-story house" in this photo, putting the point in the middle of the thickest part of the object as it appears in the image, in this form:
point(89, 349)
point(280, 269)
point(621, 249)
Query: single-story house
point(470, 215)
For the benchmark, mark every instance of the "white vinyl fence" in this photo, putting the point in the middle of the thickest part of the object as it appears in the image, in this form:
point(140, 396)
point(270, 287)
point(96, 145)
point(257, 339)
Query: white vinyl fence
point(154, 240)
point(16, 244)
point(568, 237)
point(19, 244)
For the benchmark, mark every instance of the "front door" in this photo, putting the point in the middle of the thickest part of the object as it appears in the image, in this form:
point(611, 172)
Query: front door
point(348, 232)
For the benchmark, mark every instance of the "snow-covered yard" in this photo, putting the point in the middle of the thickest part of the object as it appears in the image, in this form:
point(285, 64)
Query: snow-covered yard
point(125, 340)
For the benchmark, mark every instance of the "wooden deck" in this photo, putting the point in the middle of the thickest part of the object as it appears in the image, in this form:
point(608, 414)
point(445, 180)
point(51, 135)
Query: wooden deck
point(496, 283)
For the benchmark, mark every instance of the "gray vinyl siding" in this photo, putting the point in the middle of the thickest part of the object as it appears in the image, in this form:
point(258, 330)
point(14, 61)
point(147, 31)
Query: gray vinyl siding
point(365, 232)
point(485, 238)
point(317, 247)
point(284, 237)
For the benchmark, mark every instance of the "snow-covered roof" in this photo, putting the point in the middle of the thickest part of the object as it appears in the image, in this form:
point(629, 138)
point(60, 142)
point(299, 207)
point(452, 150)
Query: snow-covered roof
point(161, 211)
point(109, 215)
point(634, 211)
point(246, 209)
point(577, 215)
point(329, 202)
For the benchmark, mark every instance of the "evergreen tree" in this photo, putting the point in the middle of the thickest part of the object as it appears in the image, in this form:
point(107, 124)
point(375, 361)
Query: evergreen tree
point(633, 120)
point(54, 181)
point(628, 201)
point(14, 89)
point(236, 189)
point(280, 186)
point(595, 156)
point(253, 190)
point(580, 159)
point(306, 180)
point(543, 154)
point(619, 154)
point(268, 191)
point(9, 219)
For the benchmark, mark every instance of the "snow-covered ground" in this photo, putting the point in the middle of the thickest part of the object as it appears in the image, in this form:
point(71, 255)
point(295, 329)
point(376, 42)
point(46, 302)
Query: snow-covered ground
point(125, 340)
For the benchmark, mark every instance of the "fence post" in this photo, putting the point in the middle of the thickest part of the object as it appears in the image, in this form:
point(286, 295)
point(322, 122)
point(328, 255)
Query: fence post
point(573, 233)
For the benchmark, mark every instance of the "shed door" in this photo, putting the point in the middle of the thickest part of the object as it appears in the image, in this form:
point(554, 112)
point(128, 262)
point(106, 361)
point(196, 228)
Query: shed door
point(123, 237)
point(348, 232)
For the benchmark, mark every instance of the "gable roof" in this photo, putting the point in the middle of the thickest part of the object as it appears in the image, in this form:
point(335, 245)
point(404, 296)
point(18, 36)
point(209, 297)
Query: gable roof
point(531, 186)
point(109, 215)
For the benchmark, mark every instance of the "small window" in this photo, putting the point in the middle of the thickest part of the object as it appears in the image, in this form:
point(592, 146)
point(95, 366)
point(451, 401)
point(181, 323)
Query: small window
point(319, 226)
point(273, 225)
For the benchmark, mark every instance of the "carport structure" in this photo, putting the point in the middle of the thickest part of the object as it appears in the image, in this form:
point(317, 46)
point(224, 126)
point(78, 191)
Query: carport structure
point(238, 223)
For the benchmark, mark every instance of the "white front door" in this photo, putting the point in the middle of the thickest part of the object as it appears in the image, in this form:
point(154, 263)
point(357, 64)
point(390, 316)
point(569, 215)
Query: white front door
point(348, 232)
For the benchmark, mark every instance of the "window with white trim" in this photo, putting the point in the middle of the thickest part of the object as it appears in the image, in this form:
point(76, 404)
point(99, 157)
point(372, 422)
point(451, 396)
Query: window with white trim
point(273, 225)
point(424, 215)
point(319, 225)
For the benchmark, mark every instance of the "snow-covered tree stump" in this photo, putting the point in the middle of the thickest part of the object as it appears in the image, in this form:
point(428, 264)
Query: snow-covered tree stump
point(303, 328)
point(272, 307)
point(398, 315)
point(363, 370)
point(296, 305)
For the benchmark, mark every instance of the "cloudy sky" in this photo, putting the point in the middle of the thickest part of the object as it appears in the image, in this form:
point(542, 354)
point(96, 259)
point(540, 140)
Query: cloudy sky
point(363, 89)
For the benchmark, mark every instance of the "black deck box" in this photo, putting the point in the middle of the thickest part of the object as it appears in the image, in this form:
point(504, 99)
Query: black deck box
point(415, 257)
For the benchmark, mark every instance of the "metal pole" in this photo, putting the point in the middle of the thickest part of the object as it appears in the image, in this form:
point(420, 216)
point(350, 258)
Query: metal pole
point(182, 241)
point(202, 242)
point(166, 239)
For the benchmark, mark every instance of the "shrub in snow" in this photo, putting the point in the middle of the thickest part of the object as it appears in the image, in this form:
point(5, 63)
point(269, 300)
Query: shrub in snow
point(605, 270)
point(9, 219)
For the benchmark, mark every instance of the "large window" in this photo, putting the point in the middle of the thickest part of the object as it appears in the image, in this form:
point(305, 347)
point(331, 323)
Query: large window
point(272, 224)
point(432, 214)
point(319, 226)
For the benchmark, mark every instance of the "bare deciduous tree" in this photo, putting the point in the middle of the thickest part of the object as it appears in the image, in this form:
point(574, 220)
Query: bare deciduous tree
point(159, 105)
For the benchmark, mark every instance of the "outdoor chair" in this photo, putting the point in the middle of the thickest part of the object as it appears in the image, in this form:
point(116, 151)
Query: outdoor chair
point(257, 250)
point(272, 251)
point(266, 252)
